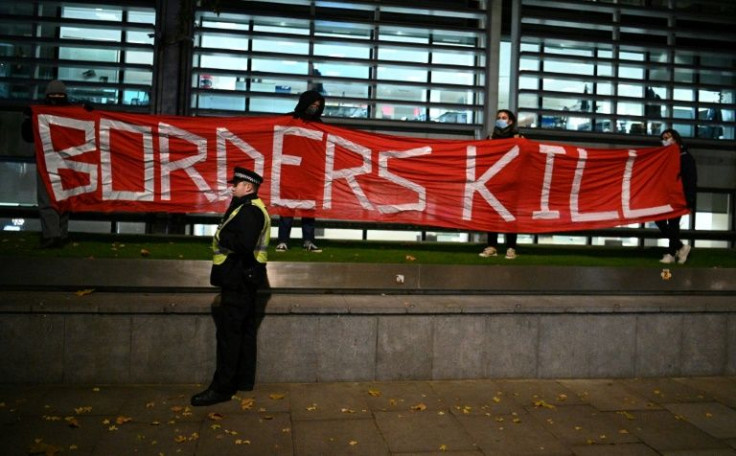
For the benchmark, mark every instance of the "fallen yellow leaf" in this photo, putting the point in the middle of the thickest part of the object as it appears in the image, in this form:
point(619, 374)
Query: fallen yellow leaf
point(247, 403)
point(627, 415)
point(374, 392)
point(347, 410)
point(542, 403)
point(276, 396)
point(73, 423)
point(420, 407)
point(443, 447)
point(214, 416)
point(123, 419)
point(353, 442)
point(84, 292)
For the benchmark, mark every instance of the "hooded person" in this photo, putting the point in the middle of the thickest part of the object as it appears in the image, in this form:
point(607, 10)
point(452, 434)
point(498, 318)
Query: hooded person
point(309, 109)
point(310, 106)
point(54, 224)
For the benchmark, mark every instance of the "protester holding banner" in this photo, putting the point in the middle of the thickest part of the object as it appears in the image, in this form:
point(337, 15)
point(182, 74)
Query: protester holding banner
point(309, 108)
point(505, 128)
point(54, 224)
point(239, 269)
point(677, 250)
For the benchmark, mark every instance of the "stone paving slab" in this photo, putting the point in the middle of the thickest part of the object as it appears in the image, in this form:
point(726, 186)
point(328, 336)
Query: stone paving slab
point(421, 432)
point(339, 437)
point(468, 397)
point(608, 395)
point(663, 431)
point(723, 389)
point(629, 449)
point(402, 418)
point(712, 417)
point(513, 434)
point(660, 390)
point(722, 452)
point(582, 425)
point(528, 392)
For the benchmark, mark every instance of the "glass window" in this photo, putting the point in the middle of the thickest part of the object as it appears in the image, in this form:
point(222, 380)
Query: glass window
point(565, 66)
point(684, 94)
point(528, 100)
point(401, 92)
point(529, 82)
point(403, 55)
point(280, 66)
point(222, 41)
point(402, 74)
point(281, 46)
point(631, 72)
point(342, 51)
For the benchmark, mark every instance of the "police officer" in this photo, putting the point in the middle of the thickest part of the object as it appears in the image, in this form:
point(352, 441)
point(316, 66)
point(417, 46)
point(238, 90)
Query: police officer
point(239, 269)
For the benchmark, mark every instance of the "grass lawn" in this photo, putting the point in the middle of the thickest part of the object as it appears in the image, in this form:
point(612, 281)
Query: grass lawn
point(25, 244)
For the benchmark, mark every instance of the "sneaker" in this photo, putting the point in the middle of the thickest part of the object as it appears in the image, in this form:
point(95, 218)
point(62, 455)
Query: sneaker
point(667, 259)
point(282, 247)
point(510, 254)
point(488, 252)
point(310, 247)
point(683, 253)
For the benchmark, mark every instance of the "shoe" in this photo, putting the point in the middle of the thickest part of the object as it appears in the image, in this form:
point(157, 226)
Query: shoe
point(683, 253)
point(310, 247)
point(510, 254)
point(209, 397)
point(282, 247)
point(488, 252)
point(52, 243)
point(667, 259)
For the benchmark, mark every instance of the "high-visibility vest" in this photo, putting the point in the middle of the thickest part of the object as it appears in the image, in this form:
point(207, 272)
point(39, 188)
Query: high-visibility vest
point(260, 252)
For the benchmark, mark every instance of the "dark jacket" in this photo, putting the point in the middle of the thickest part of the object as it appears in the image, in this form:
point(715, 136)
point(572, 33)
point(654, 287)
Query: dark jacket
point(505, 133)
point(689, 176)
point(240, 236)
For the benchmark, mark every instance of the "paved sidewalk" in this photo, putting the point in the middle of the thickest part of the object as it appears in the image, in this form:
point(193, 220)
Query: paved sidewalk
point(665, 416)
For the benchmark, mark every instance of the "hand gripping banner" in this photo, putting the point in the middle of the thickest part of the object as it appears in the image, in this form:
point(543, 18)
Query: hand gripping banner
point(103, 161)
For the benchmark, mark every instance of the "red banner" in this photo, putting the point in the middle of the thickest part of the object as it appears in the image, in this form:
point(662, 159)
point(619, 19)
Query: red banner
point(107, 161)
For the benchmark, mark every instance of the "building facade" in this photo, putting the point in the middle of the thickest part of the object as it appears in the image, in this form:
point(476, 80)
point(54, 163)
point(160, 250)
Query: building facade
point(598, 73)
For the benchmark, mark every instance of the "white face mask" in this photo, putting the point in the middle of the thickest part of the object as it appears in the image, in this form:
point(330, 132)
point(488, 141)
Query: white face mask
point(500, 123)
point(667, 142)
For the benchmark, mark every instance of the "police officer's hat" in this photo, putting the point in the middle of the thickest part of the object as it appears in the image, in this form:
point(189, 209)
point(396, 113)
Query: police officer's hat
point(243, 174)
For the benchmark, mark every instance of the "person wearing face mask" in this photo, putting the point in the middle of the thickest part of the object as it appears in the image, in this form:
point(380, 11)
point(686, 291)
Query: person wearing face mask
point(309, 108)
point(677, 251)
point(54, 224)
point(505, 128)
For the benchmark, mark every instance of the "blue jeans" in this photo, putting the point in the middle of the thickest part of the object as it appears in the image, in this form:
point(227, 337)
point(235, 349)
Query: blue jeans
point(285, 224)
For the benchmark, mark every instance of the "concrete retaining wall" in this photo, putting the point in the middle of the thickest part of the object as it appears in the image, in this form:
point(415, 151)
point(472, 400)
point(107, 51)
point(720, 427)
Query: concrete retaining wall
point(59, 337)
